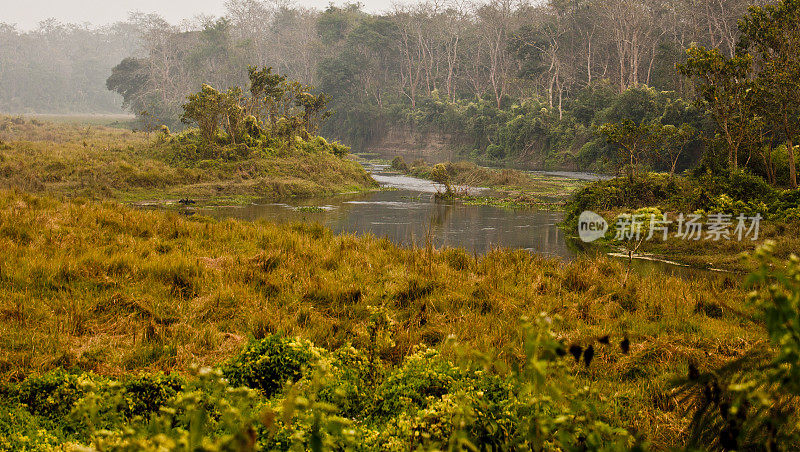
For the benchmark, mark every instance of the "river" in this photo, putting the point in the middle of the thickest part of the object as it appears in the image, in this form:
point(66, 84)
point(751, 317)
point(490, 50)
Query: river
point(407, 212)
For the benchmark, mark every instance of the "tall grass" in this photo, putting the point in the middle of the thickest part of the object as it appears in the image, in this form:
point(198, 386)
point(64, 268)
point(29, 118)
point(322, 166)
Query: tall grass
point(101, 163)
point(99, 287)
point(112, 289)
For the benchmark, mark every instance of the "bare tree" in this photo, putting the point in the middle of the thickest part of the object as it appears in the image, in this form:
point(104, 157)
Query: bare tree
point(497, 20)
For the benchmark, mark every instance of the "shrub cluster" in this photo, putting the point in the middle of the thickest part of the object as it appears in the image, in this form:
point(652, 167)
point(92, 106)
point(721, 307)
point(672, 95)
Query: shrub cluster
point(282, 393)
point(731, 192)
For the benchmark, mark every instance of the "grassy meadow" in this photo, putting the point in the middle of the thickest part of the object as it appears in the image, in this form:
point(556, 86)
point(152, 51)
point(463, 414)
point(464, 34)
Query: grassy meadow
point(125, 329)
point(93, 276)
point(117, 292)
point(72, 159)
point(115, 120)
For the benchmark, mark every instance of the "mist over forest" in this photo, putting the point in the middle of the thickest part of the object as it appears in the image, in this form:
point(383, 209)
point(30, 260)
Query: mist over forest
point(503, 48)
point(459, 69)
point(372, 64)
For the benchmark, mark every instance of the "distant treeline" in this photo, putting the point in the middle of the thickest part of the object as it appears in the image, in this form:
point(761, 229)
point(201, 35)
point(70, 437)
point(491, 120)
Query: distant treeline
point(496, 49)
point(510, 80)
point(59, 68)
point(448, 67)
point(499, 49)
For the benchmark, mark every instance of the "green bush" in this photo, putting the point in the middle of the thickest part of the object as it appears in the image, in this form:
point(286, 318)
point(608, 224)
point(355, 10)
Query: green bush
point(740, 185)
point(788, 199)
point(147, 393)
point(267, 364)
point(495, 152)
point(351, 383)
point(207, 414)
point(399, 164)
point(423, 377)
point(345, 399)
point(21, 431)
point(726, 204)
point(649, 190)
point(731, 192)
point(51, 395)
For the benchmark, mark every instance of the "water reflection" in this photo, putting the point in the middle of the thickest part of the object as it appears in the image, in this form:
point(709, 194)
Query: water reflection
point(412, 217)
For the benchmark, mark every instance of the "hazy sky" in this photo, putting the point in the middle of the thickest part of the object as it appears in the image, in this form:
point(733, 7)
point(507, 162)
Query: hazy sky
point(27, 13)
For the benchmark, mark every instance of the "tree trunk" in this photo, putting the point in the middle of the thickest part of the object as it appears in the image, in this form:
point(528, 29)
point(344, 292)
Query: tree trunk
point(674, 164)
point(560, 102)
point(630, 171)
point(790, 148)
point(766, 158)
point(792, 168)
point(589, 60)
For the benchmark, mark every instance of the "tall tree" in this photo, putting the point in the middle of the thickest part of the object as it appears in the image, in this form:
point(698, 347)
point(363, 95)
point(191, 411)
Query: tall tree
point(497, 21)
point(631, 23)
point(634, 142)
point(772, 33)
point(724, 89)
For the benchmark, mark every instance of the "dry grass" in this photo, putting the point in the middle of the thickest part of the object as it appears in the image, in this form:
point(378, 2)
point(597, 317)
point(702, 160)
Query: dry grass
point(512, 188)
point(727, 254)
point(117, 290)
point(102, 287)
point(101, 163)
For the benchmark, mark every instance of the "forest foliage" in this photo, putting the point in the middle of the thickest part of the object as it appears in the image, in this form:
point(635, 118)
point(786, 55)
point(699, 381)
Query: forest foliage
point(62, 68)
point(275, 109)
point(509, 81)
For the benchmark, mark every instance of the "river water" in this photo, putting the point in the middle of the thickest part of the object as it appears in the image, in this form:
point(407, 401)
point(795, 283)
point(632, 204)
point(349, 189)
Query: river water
point(408, 213)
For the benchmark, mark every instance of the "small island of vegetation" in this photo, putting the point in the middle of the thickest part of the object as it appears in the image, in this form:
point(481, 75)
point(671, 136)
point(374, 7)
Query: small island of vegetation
point(245, 147)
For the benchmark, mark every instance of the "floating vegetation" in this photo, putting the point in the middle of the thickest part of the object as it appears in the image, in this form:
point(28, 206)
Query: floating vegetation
point(311, 209)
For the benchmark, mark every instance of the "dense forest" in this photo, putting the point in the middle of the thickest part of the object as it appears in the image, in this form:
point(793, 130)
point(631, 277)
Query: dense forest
point(497, 49)
point(505, 82)
point(408, 63)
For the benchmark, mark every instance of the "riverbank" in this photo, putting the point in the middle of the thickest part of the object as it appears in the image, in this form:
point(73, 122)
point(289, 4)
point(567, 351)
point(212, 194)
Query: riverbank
point(510, 188)
point(78, 160)
point(118, 291)
point(732, 194)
